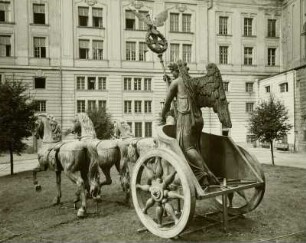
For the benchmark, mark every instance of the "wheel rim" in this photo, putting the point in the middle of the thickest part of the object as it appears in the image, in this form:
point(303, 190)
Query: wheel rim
point(246, 200)
point(162, 194)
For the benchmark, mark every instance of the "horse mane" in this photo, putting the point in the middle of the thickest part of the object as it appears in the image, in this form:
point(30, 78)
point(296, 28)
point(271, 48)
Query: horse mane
point(87, 127)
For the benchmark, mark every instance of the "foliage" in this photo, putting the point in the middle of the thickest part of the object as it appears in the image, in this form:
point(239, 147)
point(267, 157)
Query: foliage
point(16, 116)
point(269, 122)
point(102, 122)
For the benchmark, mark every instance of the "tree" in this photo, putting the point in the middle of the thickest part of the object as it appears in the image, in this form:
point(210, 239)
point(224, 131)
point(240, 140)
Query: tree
point(269, 122)
point(16, 118)
point(102, 122)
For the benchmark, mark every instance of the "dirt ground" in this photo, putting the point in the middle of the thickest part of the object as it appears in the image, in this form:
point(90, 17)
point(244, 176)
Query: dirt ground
point(27, 216)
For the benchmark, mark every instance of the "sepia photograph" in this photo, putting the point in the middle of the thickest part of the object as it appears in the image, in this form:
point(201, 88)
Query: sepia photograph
point(152, 121)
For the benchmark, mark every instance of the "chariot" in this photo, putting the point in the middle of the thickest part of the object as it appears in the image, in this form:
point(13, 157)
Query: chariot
point(165, 190)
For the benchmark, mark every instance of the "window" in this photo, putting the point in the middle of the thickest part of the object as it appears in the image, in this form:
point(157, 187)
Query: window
point(97, 20)
point(40, 83)
point(101, 104)
point(80, 83)
point(91, 105)
point(137, 83)
point(4, 9)
point(40, 47)
point(271, 56)
point(142, 25)
point(127, 106)
point(5, 46)
point(91, 83)
point(186, 23)
point(225, 86)
point(102, 83)
point(39, 14)
point(148, 106)
point(186, 53)
point(83, 16)
point(271, 27)
point(97, 49)
point(137, 106)
point(174, 22)
point(138, 129)
point(250, 138)
point(80, 106)
point(267, 88)
point(147, 84)
point(248, 56)
point(84, 49)
point(223, 25)
point(40, 105)
point(127, 83)
point(142, 51)
point(174, 52)
point(148, 129)
point(249, 87)
point(247, 27)
point(130, 51)
point(283, 87)
point(130, 23)
point(249, 107)
point(223, 54)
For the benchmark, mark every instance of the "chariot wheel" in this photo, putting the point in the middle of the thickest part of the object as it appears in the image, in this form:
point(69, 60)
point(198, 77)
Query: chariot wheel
point(245, 200)
point(163, 195)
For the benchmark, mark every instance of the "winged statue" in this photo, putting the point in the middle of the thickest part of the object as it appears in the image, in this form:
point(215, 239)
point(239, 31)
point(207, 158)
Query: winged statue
point(158, 21)
point(208, 91)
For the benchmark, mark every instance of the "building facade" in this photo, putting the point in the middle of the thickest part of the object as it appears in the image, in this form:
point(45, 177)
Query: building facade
point(80, 54)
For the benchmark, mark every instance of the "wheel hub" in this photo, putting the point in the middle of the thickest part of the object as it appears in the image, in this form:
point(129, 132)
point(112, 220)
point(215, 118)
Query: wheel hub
point(157, 191)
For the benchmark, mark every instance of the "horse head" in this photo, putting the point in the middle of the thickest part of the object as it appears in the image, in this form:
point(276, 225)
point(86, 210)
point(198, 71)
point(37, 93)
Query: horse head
point(47, 128)
point(83, 126)
point(122, 129)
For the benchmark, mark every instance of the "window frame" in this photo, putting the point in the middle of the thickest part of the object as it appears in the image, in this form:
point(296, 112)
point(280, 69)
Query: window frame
point(138, 129)
point(40, 51)
point(137, 106)
point(81, 106)
point(36, 79)
point(284, 87)
point(6, 46)
point(249, 107)
point(247, 87)
point(148, 131)
point(41, 105)
point(37, 16)
point(127, 107)
point(223, 25)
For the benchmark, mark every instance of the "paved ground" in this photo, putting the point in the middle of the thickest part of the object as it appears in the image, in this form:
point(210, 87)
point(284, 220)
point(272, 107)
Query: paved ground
point(283, 158)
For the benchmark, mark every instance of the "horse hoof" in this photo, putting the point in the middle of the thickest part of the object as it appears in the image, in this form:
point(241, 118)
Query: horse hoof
point(81, 213)
point(38, 188)
point(56, 201)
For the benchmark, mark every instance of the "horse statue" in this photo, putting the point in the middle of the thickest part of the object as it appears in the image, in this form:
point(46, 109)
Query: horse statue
point(107, 150)
point(71, 157)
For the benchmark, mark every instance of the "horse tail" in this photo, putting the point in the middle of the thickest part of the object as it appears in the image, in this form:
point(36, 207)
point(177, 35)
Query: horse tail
point(94, 158)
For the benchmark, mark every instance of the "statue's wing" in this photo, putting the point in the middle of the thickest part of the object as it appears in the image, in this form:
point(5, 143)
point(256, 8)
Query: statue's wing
point(210, 93)
point(161, 18)
point(142, 17)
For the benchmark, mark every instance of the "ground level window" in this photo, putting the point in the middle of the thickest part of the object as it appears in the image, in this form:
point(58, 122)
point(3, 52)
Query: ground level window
point(41, 105)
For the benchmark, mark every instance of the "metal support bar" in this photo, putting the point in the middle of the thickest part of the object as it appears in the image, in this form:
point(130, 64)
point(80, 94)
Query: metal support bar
point(225, 213)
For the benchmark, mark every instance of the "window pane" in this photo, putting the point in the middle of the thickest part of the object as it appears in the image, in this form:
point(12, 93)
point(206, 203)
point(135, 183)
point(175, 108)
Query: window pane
point(5, 46)
point(148, 129)
point(80, 83)
point(97, 49)
point(91, 83)
point(271, 27)
point(142, 25)
point(147, 84)
point(271, 56)
point(129, 20)
point(223, 25)
point(80, 106)
point(174, 22)
point(142, 51)
point(187, 53)
point(130, 51)
point(97, 20)
point(223, 54)
point(248, 26)
point(138, 129)
point(174, 52)
point(186, 23)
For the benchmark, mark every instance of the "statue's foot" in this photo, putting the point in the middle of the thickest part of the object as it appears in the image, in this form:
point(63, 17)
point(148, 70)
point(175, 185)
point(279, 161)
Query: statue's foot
point(38, 188)
point(81, 213)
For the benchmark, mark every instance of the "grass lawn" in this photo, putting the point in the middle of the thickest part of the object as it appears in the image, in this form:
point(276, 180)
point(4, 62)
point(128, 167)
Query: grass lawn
point(27, 216)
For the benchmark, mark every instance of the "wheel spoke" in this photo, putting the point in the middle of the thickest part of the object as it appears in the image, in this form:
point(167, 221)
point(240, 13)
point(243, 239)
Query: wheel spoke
point(170, 211)
point(175, 195)
point(159, 214)
point(144, 188)
point(169, 179)
point(149, 173)
point(150, 202)
point(159, 168)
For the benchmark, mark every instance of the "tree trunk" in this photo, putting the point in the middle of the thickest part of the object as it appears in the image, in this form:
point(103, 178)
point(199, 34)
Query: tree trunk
point(12, 159)
point(272, 155)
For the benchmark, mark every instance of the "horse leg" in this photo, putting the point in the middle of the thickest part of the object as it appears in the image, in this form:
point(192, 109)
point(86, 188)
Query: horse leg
point(57, 198)
point(35, 182)
point(108, 179)
point(81, 188)
point(76, 199)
